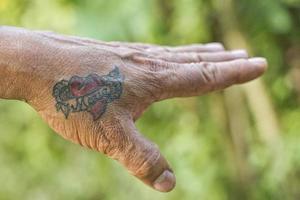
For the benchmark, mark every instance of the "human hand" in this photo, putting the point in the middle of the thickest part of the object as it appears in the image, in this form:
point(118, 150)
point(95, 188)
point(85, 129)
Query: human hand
point(91, 92)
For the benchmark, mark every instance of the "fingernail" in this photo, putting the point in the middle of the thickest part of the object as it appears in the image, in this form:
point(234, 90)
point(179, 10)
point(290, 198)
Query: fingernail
point(215, 46)
point(240, 53)
point(165, 182)
point(259, 61)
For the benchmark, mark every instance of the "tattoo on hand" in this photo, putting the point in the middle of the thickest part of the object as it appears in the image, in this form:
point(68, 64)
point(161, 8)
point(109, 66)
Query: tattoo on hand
point(91, 93)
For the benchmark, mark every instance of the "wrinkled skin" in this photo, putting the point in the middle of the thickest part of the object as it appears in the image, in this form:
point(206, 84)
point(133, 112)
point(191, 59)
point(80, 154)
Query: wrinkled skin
point(32, 62)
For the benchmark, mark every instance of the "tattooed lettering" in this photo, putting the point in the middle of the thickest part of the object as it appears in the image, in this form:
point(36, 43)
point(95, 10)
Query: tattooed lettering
point(91, 93)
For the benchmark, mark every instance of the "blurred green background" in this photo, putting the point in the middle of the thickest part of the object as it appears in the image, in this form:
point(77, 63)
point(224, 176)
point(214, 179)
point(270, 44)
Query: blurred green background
point(241, 143)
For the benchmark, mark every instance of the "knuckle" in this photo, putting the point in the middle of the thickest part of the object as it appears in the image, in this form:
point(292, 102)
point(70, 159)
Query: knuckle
point(165, 56)
point(155, 85)
point(198, 57)
point(110, 139)
point(155, 65)
point(210, 73)
point(144, 165)
point(234, 72)
point(130, 54)
point(147, 60)
point(151, 84)
point(164, 49)
point(143, 86)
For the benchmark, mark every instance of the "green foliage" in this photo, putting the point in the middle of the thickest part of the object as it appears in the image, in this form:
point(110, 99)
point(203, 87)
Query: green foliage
point(199, 136)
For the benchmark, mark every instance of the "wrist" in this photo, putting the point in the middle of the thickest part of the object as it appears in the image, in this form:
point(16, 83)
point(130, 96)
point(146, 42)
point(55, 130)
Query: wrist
point(14, 74)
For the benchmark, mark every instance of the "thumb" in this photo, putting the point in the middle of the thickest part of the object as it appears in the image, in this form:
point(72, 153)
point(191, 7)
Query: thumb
point(141, 157)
